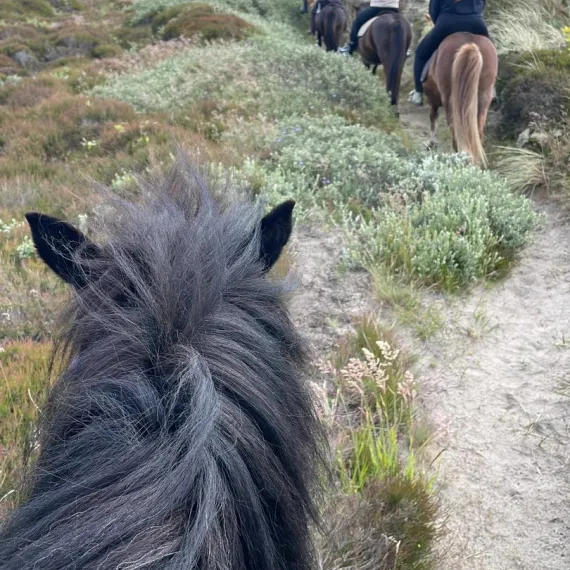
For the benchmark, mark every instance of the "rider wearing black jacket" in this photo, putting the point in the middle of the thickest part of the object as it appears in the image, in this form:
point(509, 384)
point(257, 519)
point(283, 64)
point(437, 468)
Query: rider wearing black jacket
point(449, 17)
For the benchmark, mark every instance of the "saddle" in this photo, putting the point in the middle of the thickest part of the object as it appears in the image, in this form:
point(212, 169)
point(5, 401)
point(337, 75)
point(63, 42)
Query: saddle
point(364, 28)
point(425, 70)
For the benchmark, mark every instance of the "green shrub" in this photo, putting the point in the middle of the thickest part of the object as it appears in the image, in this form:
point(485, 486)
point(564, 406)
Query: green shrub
point(270, 77)
point(146, 10)
point(466, 226)
point(17, 9)
point(330, 163)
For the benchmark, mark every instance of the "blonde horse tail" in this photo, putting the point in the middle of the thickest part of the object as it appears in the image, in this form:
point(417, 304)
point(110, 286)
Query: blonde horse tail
point(465, 74)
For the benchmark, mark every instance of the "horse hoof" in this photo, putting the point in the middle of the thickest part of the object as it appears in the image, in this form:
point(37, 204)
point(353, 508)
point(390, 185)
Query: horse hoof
point(431, 145)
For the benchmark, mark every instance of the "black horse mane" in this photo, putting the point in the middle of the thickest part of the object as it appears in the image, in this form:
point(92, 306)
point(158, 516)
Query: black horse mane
point(181, 434)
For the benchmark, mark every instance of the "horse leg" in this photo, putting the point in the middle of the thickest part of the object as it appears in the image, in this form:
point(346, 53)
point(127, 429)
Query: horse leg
point(319, 39)
point(433, 115)
point(485, 101)
point(449, 118)
point(374, 70)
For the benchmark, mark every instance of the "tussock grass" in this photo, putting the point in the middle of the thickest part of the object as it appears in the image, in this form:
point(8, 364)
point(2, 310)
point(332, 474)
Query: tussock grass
point(524, 169)
point(525, 27)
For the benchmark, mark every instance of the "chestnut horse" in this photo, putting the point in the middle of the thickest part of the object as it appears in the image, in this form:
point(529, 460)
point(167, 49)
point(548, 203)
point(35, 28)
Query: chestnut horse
point(386, 43)
point(461, 79)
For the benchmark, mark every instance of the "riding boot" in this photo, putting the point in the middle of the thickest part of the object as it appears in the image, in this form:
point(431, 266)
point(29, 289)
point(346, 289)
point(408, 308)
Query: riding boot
point(348, 49)
point(416, 98)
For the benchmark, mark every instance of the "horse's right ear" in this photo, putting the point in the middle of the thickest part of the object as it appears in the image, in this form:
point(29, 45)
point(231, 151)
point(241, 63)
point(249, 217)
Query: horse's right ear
point(276, 230)
point(57, 243)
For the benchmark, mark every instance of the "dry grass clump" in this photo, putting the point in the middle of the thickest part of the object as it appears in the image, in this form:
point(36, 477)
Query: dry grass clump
point(383, 514)
point(526, 26)
point(524, 169)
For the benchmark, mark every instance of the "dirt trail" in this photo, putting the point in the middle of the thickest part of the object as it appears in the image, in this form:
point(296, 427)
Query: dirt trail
point(326, 303)
point(493, 382)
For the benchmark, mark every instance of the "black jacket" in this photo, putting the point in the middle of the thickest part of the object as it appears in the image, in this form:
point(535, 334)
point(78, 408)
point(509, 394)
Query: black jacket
point(458, 7)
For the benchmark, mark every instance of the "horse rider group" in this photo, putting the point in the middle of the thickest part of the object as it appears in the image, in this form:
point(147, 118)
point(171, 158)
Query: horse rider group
point(448, 17)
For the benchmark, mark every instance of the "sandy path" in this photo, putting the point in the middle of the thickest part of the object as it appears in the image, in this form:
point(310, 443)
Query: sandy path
point(493, 382)
point(326, 303)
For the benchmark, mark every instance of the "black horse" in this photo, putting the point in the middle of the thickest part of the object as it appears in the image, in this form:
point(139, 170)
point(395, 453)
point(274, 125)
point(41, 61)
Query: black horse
point(386, 43)
point(181, 434)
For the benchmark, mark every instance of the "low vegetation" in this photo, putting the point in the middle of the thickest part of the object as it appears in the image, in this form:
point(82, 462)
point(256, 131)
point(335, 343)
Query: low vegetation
point(383, 513)
point(101, 90)
point(534, 89)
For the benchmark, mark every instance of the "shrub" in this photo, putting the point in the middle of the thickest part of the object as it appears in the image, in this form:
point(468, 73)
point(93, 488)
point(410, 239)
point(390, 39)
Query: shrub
point(533, 86)
point(328, 163)
point(202, 21)
point(466, 226)
point(16, 9)
point(269, 77)
point(146, 10)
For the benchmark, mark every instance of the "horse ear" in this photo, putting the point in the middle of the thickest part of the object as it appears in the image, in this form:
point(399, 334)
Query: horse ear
point(57, 243)
point(276, 230)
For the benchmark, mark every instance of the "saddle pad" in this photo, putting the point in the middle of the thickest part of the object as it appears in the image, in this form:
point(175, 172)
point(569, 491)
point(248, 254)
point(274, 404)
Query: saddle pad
point(425, 70)
point(365, 27)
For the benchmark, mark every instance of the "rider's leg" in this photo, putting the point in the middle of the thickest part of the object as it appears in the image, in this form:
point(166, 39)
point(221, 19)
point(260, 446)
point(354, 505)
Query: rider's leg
point(424, 51)
point(359, 21)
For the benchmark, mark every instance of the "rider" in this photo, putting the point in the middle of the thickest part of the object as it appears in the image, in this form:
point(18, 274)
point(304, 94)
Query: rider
point(376, 8)
point(449, 17)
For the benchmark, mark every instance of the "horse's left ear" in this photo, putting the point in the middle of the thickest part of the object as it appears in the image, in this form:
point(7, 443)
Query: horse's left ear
point(276, 230)
point(58, 243)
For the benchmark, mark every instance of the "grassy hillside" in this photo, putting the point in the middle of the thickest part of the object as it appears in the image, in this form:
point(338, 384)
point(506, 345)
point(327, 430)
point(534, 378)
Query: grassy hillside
point(101, 90)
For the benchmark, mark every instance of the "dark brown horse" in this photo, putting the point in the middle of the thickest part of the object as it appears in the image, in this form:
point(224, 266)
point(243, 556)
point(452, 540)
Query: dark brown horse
point(330, 24)
point(385, 43)
point(461, 79)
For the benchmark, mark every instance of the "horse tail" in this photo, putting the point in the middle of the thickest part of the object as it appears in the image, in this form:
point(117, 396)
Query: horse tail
point(396, 63)
point(329, 25)
point(465, 76)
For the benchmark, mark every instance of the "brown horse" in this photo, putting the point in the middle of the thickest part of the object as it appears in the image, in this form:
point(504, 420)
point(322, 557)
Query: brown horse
point(330, 24)
point(461, 79)
point(385, 43)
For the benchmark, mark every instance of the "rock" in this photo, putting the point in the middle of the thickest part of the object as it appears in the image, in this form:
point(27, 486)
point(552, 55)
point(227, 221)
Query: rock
point(24, 59)
point(539, 138)
point(523, 138)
